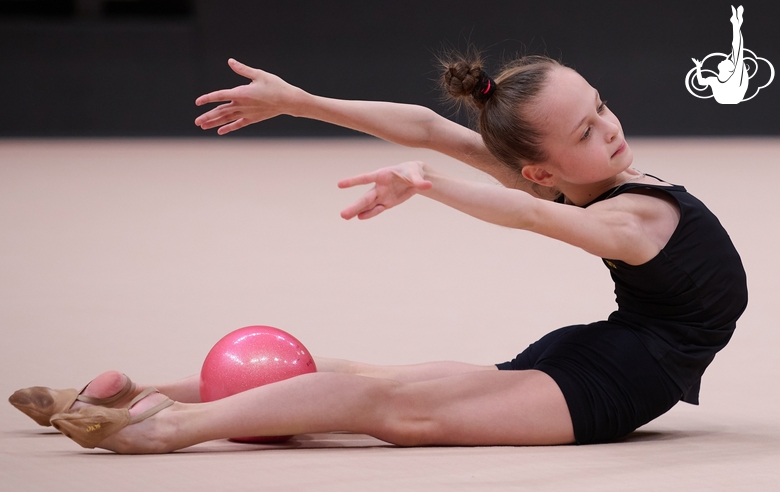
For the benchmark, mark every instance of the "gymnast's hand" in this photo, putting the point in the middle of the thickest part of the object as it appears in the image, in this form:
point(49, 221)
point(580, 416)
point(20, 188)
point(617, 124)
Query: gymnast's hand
point(265, 97)
point(392, 186)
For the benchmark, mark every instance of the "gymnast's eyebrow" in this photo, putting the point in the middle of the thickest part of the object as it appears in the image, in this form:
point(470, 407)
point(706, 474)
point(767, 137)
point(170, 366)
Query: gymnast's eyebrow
point(585, 118)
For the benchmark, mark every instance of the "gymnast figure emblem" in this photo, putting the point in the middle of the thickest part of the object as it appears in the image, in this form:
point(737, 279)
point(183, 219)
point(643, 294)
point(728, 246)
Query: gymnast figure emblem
point(735, 70)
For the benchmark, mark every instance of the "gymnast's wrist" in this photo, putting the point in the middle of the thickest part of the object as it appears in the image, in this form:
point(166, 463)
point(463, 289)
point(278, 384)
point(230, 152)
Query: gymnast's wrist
point(301, 103)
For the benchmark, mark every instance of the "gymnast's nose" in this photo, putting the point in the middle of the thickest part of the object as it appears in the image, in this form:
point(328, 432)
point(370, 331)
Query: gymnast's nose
point(612, 131)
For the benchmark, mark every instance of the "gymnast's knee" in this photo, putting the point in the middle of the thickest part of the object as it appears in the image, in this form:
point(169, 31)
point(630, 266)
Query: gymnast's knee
point(406, 420)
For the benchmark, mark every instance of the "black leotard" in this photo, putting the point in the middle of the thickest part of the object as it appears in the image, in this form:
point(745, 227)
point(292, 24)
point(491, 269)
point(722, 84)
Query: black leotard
point(684, 303)
point(675, 312)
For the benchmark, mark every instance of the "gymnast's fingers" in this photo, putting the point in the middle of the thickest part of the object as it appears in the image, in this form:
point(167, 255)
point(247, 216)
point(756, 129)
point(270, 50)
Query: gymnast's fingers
point(358, 180)
point(241, 69)
point(378, 209)
point(366, 202)
point(236, 125)
point(214, 113)
point(219, 120)
point(222, 95)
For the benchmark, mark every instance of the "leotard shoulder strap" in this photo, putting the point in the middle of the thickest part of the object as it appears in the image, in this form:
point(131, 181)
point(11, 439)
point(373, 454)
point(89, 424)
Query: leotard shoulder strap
point(668, 187)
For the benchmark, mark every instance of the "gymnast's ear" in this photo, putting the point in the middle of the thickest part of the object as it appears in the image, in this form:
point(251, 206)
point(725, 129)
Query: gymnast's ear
point(538, 174)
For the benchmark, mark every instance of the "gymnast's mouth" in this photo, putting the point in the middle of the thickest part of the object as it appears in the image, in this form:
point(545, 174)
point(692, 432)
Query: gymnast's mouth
point(620, 149)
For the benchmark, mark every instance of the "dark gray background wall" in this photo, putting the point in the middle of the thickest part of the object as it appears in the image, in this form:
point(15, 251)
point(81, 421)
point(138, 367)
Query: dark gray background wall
point(134, 67)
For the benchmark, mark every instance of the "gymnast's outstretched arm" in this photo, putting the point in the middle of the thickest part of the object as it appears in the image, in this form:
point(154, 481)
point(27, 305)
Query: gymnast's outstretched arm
point(624, 232)
point(268, 96)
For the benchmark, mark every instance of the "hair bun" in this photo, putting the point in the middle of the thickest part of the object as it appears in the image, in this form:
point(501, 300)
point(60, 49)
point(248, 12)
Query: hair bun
point(461, 77)
point(467, 79)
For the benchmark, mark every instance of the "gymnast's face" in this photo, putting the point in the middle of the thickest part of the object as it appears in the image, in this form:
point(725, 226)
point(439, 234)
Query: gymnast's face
point(582, 137)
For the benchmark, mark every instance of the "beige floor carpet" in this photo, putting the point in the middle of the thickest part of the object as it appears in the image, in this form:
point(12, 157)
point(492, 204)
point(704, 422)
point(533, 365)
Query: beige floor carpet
point(138, 255)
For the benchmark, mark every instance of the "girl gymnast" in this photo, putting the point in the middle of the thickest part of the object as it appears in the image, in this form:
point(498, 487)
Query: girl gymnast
point(561, 154)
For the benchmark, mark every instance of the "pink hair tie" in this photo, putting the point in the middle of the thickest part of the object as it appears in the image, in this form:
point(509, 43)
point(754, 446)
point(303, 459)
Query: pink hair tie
point(484, 89)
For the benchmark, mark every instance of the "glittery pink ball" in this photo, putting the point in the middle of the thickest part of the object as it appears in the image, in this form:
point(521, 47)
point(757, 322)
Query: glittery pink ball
point(250, 357)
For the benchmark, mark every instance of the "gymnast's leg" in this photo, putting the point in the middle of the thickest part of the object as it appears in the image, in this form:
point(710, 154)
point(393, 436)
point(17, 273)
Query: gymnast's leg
point(475, 408)
point(403, 373)
point(187, 390)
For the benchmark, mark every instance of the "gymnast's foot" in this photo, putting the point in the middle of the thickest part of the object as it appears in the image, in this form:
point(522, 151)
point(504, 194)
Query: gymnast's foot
point(107, 385)
point(134, 430)
point(111, 388)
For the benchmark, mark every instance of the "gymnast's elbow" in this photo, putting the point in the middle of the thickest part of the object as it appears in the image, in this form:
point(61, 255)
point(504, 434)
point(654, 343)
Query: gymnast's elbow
point(524, 217)
point(425, 132)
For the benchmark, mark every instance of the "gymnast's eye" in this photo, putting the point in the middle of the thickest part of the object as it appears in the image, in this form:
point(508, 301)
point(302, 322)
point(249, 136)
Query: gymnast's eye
point(587, 134)
point(599, 110)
